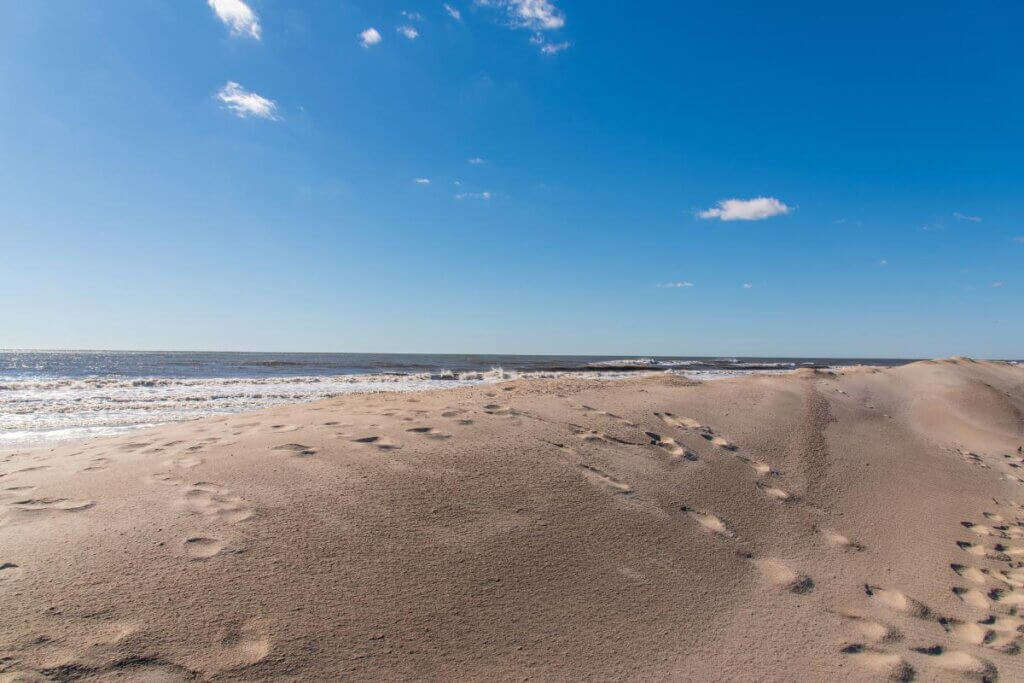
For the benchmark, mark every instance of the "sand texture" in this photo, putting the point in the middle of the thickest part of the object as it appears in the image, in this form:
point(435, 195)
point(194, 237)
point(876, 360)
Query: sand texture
point(862, 525)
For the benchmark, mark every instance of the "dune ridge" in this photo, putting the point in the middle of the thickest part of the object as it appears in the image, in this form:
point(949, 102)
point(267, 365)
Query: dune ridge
point(861, 524)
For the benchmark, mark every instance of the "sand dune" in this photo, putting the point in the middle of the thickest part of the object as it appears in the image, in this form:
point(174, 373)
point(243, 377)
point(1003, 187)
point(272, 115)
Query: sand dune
point(860, 525)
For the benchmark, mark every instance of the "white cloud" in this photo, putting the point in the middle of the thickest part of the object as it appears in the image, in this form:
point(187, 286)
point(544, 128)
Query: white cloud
point(412, 16)
point(409, 32)
point(1019, 239)
point(476, 161)
point(675, 285)
point(238, 15)
point(370, 36)
point(475, 195)
point(747, 285)
point(554, 48)
point(247, 104)
point(963, 217)
point(536, 15)
point(883, 262)
point(755, 209)
point(997, 285)
point(422, 181)
point(453, 12)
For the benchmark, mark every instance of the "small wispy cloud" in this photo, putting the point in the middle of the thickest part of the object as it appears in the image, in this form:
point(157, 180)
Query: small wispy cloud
point(933, 227)
point(674, 285)
point(421, 181)
point(486, 195)
point(552, 48)
point(412, 16)
point(246, 104)
point(453, 12)
point(409, 32)
point(747, 285)
point(883, 262)
point(755, 209)
point(475, 161)
point(534, 15)
point(997, 285)
point(1019, 240)
point(238, 16)
point(370, 36)
point(964, 217)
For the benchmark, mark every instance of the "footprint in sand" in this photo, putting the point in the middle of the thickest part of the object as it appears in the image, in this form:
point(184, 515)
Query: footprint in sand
point(782, 576)
point(871, 630)
point(34, 468)
point(979, 550)
point(774, 492)
point(242, 644)
point(599, 478)
point(841, 541)
point(591, 435)
point(762, 469)
point(719, 441)
point(281, 429)
point(972, 574)
point(587, 410)
point(136, 446)
point(430, 433)
point(889, 665)
point(1004, 633)
point(52, 505)
point(295, 449)
point(1010, 551)
point(972, 598)
point(897, 601)
point(708, 522)
point(9, 571)
point(997, 633)
point(378, 442)
point(968, 632)
point(202, 548)
point(1006, 597)
point(495, 409)
point(679, 422)
point(164, 479)
point(669, 444)
point(454, 413)
point(96, 465)
point(212, 500)
point(994, 517)
point(960, 663)
point(978, 529)
point(1011, 577)
point(187, 463)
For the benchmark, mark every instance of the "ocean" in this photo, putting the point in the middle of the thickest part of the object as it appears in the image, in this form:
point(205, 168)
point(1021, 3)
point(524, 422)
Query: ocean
point(52, 396)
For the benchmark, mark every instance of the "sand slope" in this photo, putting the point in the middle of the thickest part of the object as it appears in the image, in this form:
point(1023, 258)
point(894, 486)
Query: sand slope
point(859, 526)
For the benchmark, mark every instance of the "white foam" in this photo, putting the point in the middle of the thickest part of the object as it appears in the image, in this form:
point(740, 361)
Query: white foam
point(40, 411)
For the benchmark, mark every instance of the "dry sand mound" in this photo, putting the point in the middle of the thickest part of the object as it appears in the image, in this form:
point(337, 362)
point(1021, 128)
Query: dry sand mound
point(862, 525)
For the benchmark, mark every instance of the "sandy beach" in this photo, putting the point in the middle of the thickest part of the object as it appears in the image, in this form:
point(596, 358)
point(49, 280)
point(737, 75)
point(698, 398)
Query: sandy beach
point(862, 524)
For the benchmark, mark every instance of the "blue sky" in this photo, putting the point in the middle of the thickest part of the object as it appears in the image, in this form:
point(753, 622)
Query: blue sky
point(228, 175)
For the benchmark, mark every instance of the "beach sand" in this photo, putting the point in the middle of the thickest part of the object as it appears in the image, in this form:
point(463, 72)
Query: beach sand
point(857, 525)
